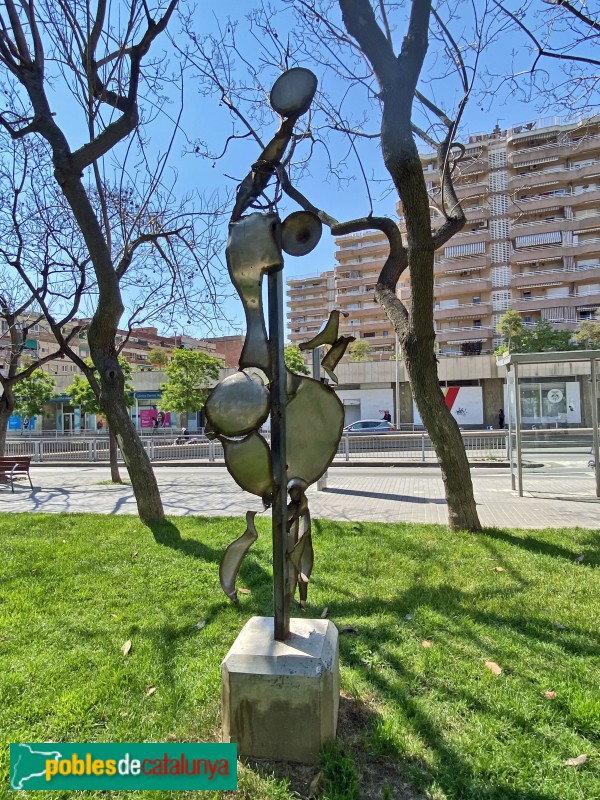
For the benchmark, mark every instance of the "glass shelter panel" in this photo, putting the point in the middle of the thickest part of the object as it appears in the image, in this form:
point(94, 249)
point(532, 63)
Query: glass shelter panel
point(556, 433)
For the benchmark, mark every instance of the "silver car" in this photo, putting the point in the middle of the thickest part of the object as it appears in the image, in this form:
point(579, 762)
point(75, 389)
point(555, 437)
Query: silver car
point(370, 427)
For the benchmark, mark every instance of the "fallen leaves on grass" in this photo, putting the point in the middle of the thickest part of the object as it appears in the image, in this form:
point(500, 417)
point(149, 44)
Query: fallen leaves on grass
point(426, 643)
point(493, 667)
point(559, 626)
point(576, 762)
point(201, 624)
point(550, 695)
point(325, 612)
point(348, 629)
point(150, 691)
point(580, 559)
point(243, 591)
point(499, 569)
point(134, 554)
point(126, 649)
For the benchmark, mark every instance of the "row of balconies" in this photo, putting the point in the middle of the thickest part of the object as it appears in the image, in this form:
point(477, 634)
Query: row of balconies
point(566, 147)
point(570, 301)
point(548, 252)
point(463, 311)
point(586, 220)
point(556, 276)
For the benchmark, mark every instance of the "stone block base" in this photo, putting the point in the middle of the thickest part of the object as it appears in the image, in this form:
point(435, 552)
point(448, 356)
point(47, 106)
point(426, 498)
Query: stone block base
point(280, 699)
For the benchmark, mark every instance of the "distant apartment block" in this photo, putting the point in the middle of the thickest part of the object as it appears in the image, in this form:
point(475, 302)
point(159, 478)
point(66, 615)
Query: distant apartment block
point(135, 344)
point(532, 242)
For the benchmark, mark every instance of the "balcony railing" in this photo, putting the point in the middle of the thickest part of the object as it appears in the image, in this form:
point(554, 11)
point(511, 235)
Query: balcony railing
point(564, 142)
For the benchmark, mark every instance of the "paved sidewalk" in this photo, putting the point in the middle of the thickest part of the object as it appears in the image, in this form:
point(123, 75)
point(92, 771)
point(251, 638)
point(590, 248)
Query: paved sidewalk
point(387, 494)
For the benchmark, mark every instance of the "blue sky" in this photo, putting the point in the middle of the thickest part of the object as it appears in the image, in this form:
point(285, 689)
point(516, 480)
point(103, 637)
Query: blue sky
point(204, 119)
point(348, 201)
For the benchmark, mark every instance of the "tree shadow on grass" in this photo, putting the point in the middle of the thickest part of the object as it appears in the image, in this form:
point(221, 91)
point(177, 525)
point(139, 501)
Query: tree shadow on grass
point(169, 535)
point(371, 655)
point(532, 544)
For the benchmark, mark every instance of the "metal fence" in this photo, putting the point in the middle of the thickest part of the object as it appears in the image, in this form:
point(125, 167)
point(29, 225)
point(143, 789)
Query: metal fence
point(488, 445)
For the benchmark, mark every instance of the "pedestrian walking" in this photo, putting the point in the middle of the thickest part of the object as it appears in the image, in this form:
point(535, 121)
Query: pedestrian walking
point(501, 419)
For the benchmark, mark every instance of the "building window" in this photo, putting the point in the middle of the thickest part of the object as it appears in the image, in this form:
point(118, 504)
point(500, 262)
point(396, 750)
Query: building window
point(477, 323)
point(526, 295)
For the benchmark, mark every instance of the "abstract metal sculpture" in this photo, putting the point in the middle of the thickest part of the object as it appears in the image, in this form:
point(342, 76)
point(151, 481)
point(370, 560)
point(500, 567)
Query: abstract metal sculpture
point(238, 406)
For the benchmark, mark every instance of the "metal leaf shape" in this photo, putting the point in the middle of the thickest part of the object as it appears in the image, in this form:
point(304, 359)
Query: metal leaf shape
point(234, 556)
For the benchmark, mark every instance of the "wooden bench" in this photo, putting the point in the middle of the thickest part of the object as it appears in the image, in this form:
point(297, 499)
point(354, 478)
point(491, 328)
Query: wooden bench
point(10, 468)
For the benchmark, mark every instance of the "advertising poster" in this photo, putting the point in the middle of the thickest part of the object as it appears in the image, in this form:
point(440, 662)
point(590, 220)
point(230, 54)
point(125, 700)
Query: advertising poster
point(151, 418)
point(17, 423)
point(464, 402)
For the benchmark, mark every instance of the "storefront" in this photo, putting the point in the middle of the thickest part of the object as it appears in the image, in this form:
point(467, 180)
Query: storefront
point(64, 417)
point(147, 413)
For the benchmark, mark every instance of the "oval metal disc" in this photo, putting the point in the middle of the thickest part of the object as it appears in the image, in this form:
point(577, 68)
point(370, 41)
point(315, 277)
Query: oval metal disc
point(300, 233)
point(292, 92)
point(237, 405)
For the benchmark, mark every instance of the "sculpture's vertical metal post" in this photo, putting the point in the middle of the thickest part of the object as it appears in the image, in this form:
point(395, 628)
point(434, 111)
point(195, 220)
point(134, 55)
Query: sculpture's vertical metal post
point(281, 600)
point(316, 363)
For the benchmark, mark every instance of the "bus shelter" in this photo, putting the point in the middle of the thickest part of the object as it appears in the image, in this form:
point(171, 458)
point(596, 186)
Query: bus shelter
point(551, 402)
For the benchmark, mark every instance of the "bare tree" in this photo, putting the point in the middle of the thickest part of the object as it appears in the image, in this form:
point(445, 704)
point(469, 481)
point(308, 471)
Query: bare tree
point(41, 280)
point(102, 59)
point(554, 55)
point(351, 44)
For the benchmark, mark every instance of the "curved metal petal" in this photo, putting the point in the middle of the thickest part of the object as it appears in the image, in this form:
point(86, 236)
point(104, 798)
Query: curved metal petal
point(317, 406)
point(251, 251)
point(249, 463)
point(328, 335)
point(332, 358)
point(234, 555)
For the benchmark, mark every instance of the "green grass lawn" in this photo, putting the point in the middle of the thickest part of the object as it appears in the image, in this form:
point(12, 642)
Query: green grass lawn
point(422, 716)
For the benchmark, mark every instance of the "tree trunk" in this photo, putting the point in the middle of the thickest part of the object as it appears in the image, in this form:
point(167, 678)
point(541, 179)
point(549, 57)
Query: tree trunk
point(113, 451)
point(101, 338)
point(6, 409)
point(143, 480)
point(441, 426)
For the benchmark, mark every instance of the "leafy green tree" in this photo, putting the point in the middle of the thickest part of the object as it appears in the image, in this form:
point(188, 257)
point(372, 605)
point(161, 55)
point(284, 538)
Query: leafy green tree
point(32, 393)
point(190, 372)
point(588, 335)
point(360, 350)
point(510, 325)
point(542, 338)
point(82, 395)
point(538, 338)
point(294, 360)
point(158, 358)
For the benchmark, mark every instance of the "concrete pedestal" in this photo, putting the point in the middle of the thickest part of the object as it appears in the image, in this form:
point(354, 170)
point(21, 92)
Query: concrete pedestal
point(280, 699)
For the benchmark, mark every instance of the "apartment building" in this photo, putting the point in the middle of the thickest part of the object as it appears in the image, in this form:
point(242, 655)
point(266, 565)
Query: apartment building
point(40, 342)
point(310, 299)
point(135, 344)
point(532, 199)
point(531, 195)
